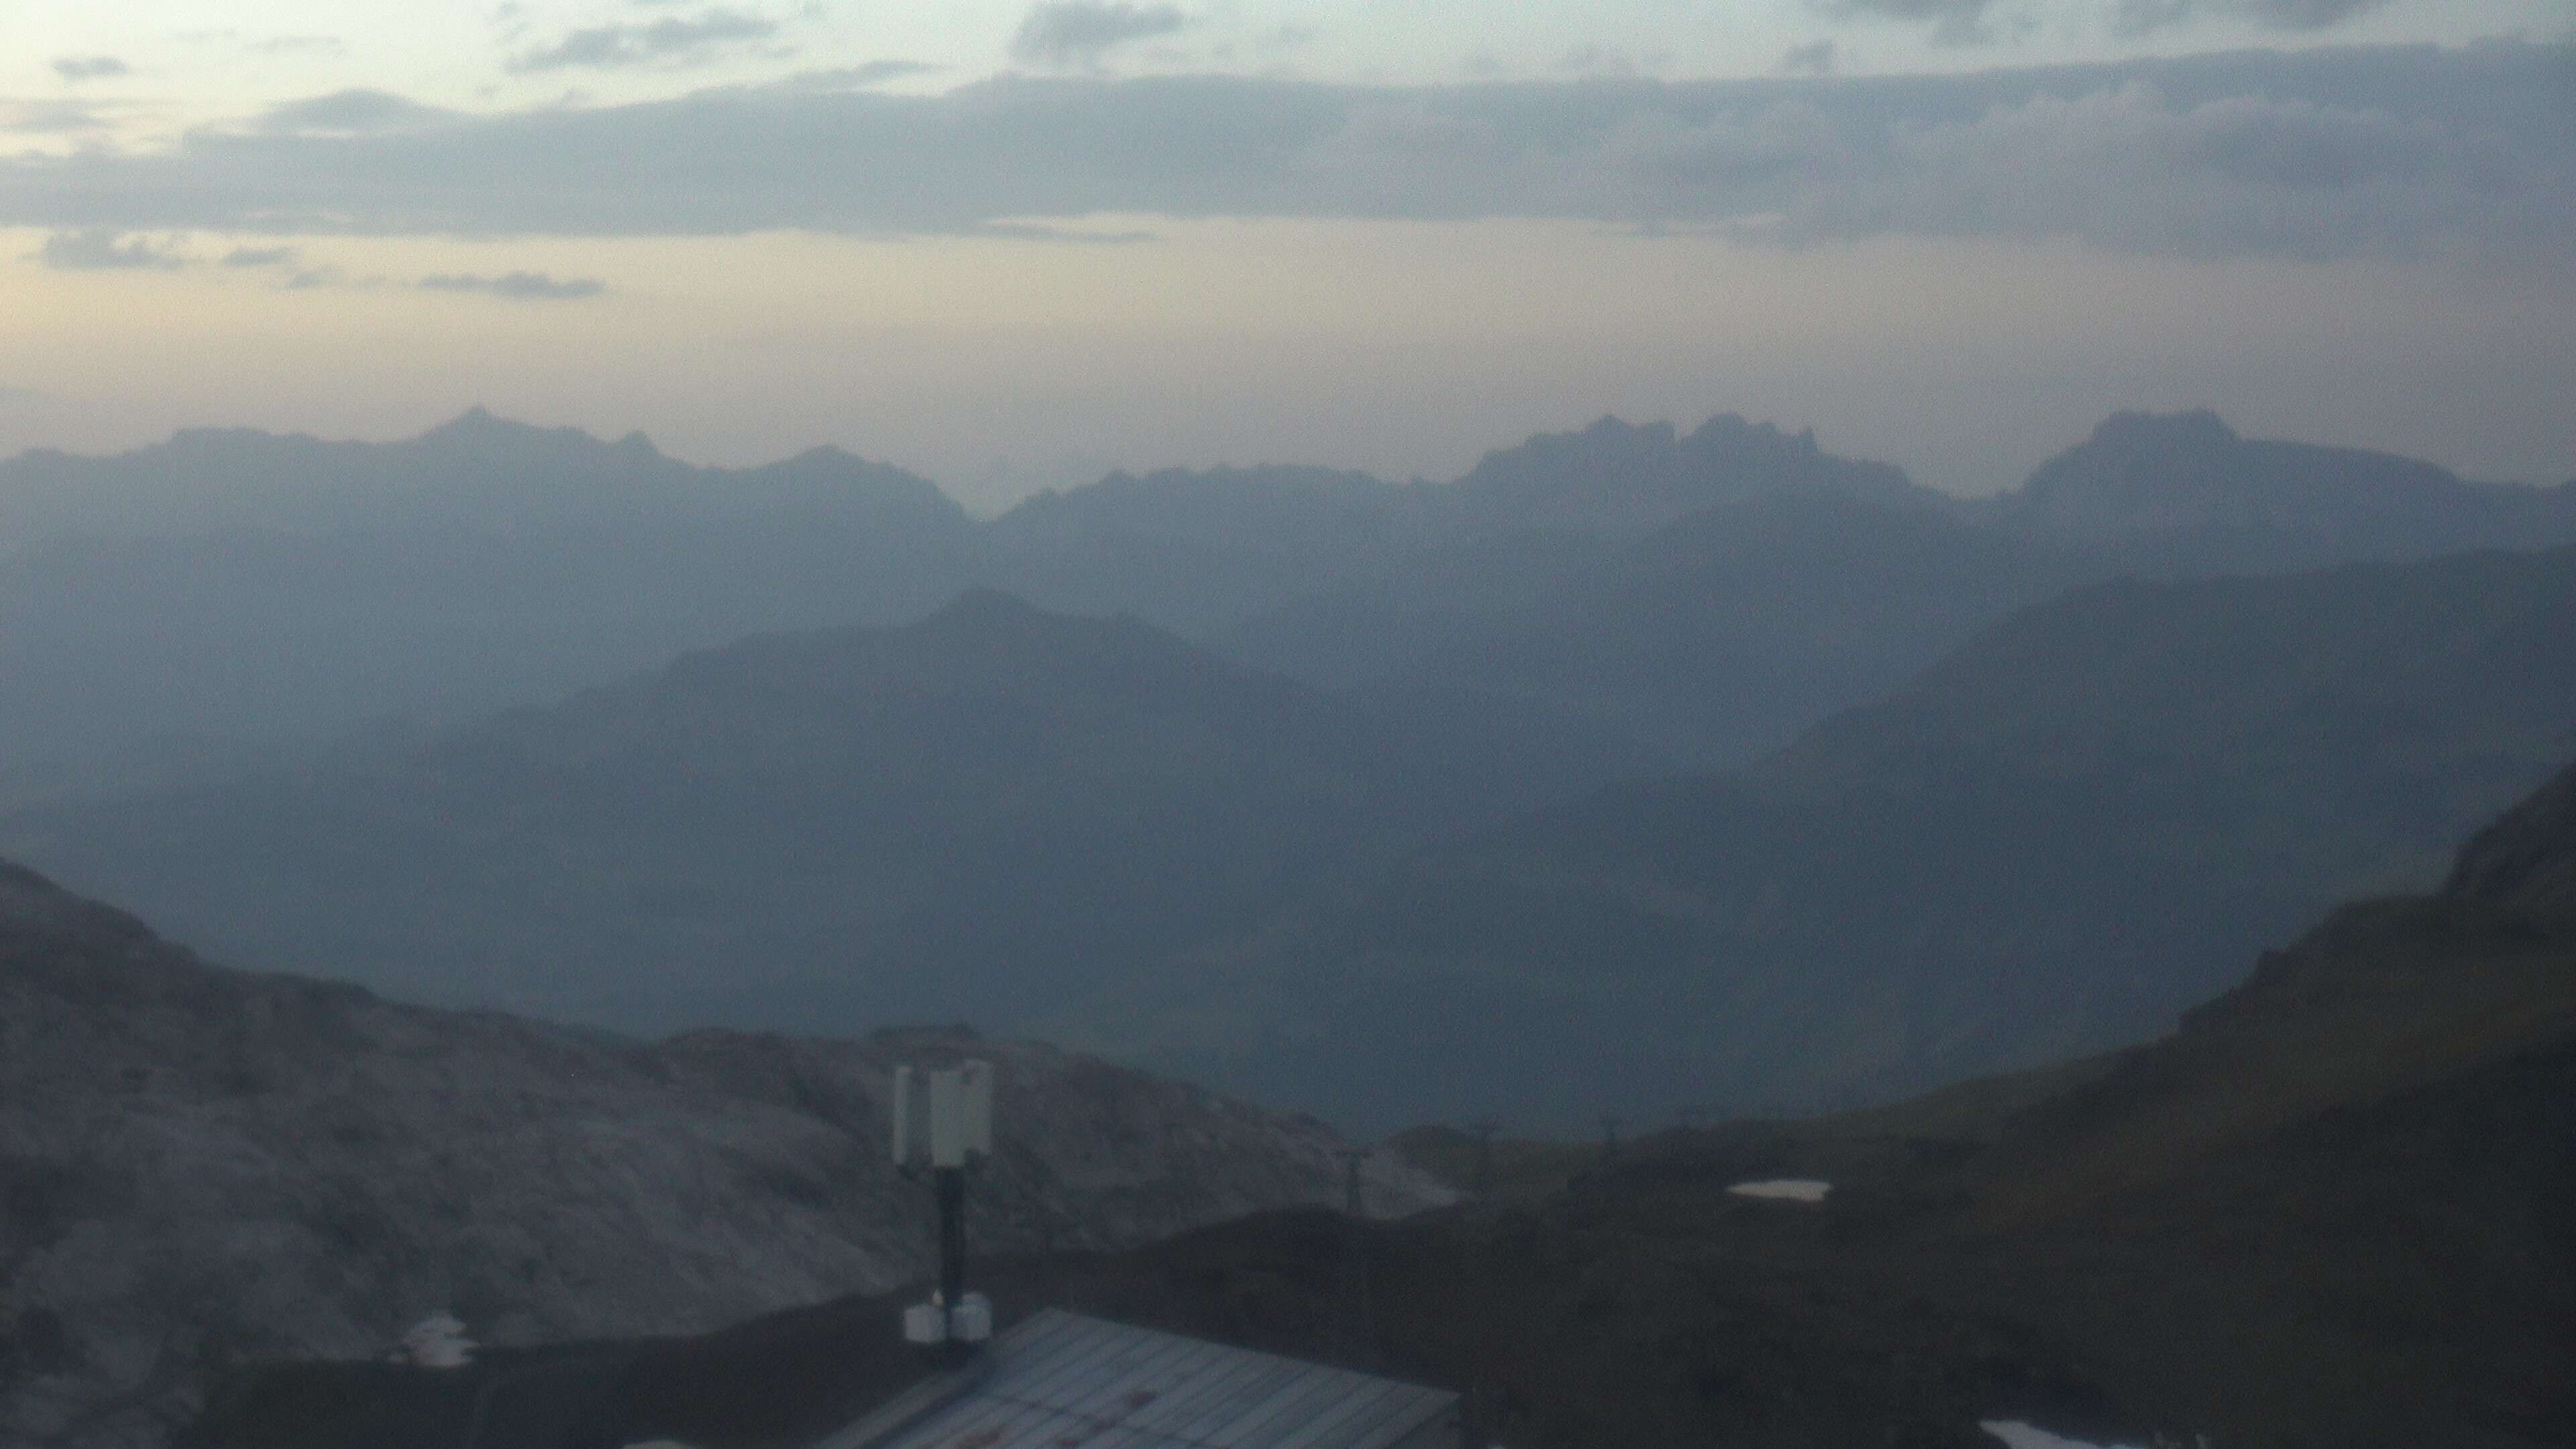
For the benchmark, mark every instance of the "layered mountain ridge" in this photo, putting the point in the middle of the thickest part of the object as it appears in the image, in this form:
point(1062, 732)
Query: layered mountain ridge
point(170, 608)
point(974, 816)
point(2046, 844)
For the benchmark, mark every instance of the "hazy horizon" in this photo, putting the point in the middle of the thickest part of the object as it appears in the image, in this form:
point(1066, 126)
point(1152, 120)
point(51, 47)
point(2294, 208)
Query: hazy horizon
point(981, 503)
point(1012, 247)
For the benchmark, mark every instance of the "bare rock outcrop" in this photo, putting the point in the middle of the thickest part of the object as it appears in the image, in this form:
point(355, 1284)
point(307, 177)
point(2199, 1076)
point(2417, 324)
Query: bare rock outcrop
point(201, 1167)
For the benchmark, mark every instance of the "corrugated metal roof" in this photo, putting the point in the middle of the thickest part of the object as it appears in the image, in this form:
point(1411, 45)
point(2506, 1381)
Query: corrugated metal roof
point(1064, 1381)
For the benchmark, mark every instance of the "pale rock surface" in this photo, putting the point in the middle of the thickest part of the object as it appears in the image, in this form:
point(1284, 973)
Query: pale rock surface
point(201, 1167)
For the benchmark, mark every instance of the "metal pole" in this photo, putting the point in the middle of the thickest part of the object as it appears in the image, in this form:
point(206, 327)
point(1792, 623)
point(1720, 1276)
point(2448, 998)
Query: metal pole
point(951, 1182)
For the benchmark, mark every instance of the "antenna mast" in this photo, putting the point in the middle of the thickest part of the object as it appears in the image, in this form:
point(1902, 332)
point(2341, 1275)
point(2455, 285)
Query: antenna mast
point(956, 1108)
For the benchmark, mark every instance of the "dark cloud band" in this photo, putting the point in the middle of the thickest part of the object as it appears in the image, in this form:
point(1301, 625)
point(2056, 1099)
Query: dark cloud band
point(2389, 151)
point(666, 42)
point(91, 67)
point(99, 249)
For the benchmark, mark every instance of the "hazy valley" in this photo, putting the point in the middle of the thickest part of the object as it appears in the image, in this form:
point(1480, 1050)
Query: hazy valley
point(1445, 748)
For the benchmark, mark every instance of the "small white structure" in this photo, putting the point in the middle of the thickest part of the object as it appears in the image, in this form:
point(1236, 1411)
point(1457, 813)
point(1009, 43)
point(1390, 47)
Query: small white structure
point(927, 1324)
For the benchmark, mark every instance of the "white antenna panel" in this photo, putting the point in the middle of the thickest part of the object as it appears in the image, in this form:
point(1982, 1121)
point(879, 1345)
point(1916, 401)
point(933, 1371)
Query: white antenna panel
point(944, 1114)
point(978, 1089)
point(947, 1120)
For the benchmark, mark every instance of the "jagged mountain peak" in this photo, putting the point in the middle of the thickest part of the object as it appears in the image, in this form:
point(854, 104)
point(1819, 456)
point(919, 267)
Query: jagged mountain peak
point(2131, 429)
point(2145, 474)
point(480, 431)
point(1724, 429)
point(1619, 477)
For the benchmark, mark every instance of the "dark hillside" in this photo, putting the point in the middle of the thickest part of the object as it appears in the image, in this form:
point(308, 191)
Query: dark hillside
point(1718, 637)
point(2050, 843)
point(1200, 552)
point(246, 589)
point(978, 816)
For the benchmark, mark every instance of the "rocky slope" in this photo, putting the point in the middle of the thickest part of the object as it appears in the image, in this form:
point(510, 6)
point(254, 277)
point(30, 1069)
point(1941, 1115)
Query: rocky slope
point(199, 1166)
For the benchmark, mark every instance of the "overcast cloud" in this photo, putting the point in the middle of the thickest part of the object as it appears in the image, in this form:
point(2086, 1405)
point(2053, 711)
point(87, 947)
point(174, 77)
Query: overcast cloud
point(90, 67)
point(351, 112)
point(1979, 22)
point(2292, 14)
point(1079, 32)
point(1954, 22)
point(857, 77)
point(671, 41)
point(52, 117)
point(1816, 57)
point(2388, 152)
point(101, 249)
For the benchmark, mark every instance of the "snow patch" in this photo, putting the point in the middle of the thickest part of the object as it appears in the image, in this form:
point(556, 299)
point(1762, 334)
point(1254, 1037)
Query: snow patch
point(2018, 1435)
point(1786, 1189)
point(438, 1342)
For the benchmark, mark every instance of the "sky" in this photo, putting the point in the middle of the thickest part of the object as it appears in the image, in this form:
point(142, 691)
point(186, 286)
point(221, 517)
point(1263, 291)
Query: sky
point(1012, 245)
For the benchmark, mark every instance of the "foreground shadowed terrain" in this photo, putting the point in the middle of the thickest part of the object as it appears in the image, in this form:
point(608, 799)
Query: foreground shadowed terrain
point(2330, 1211)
